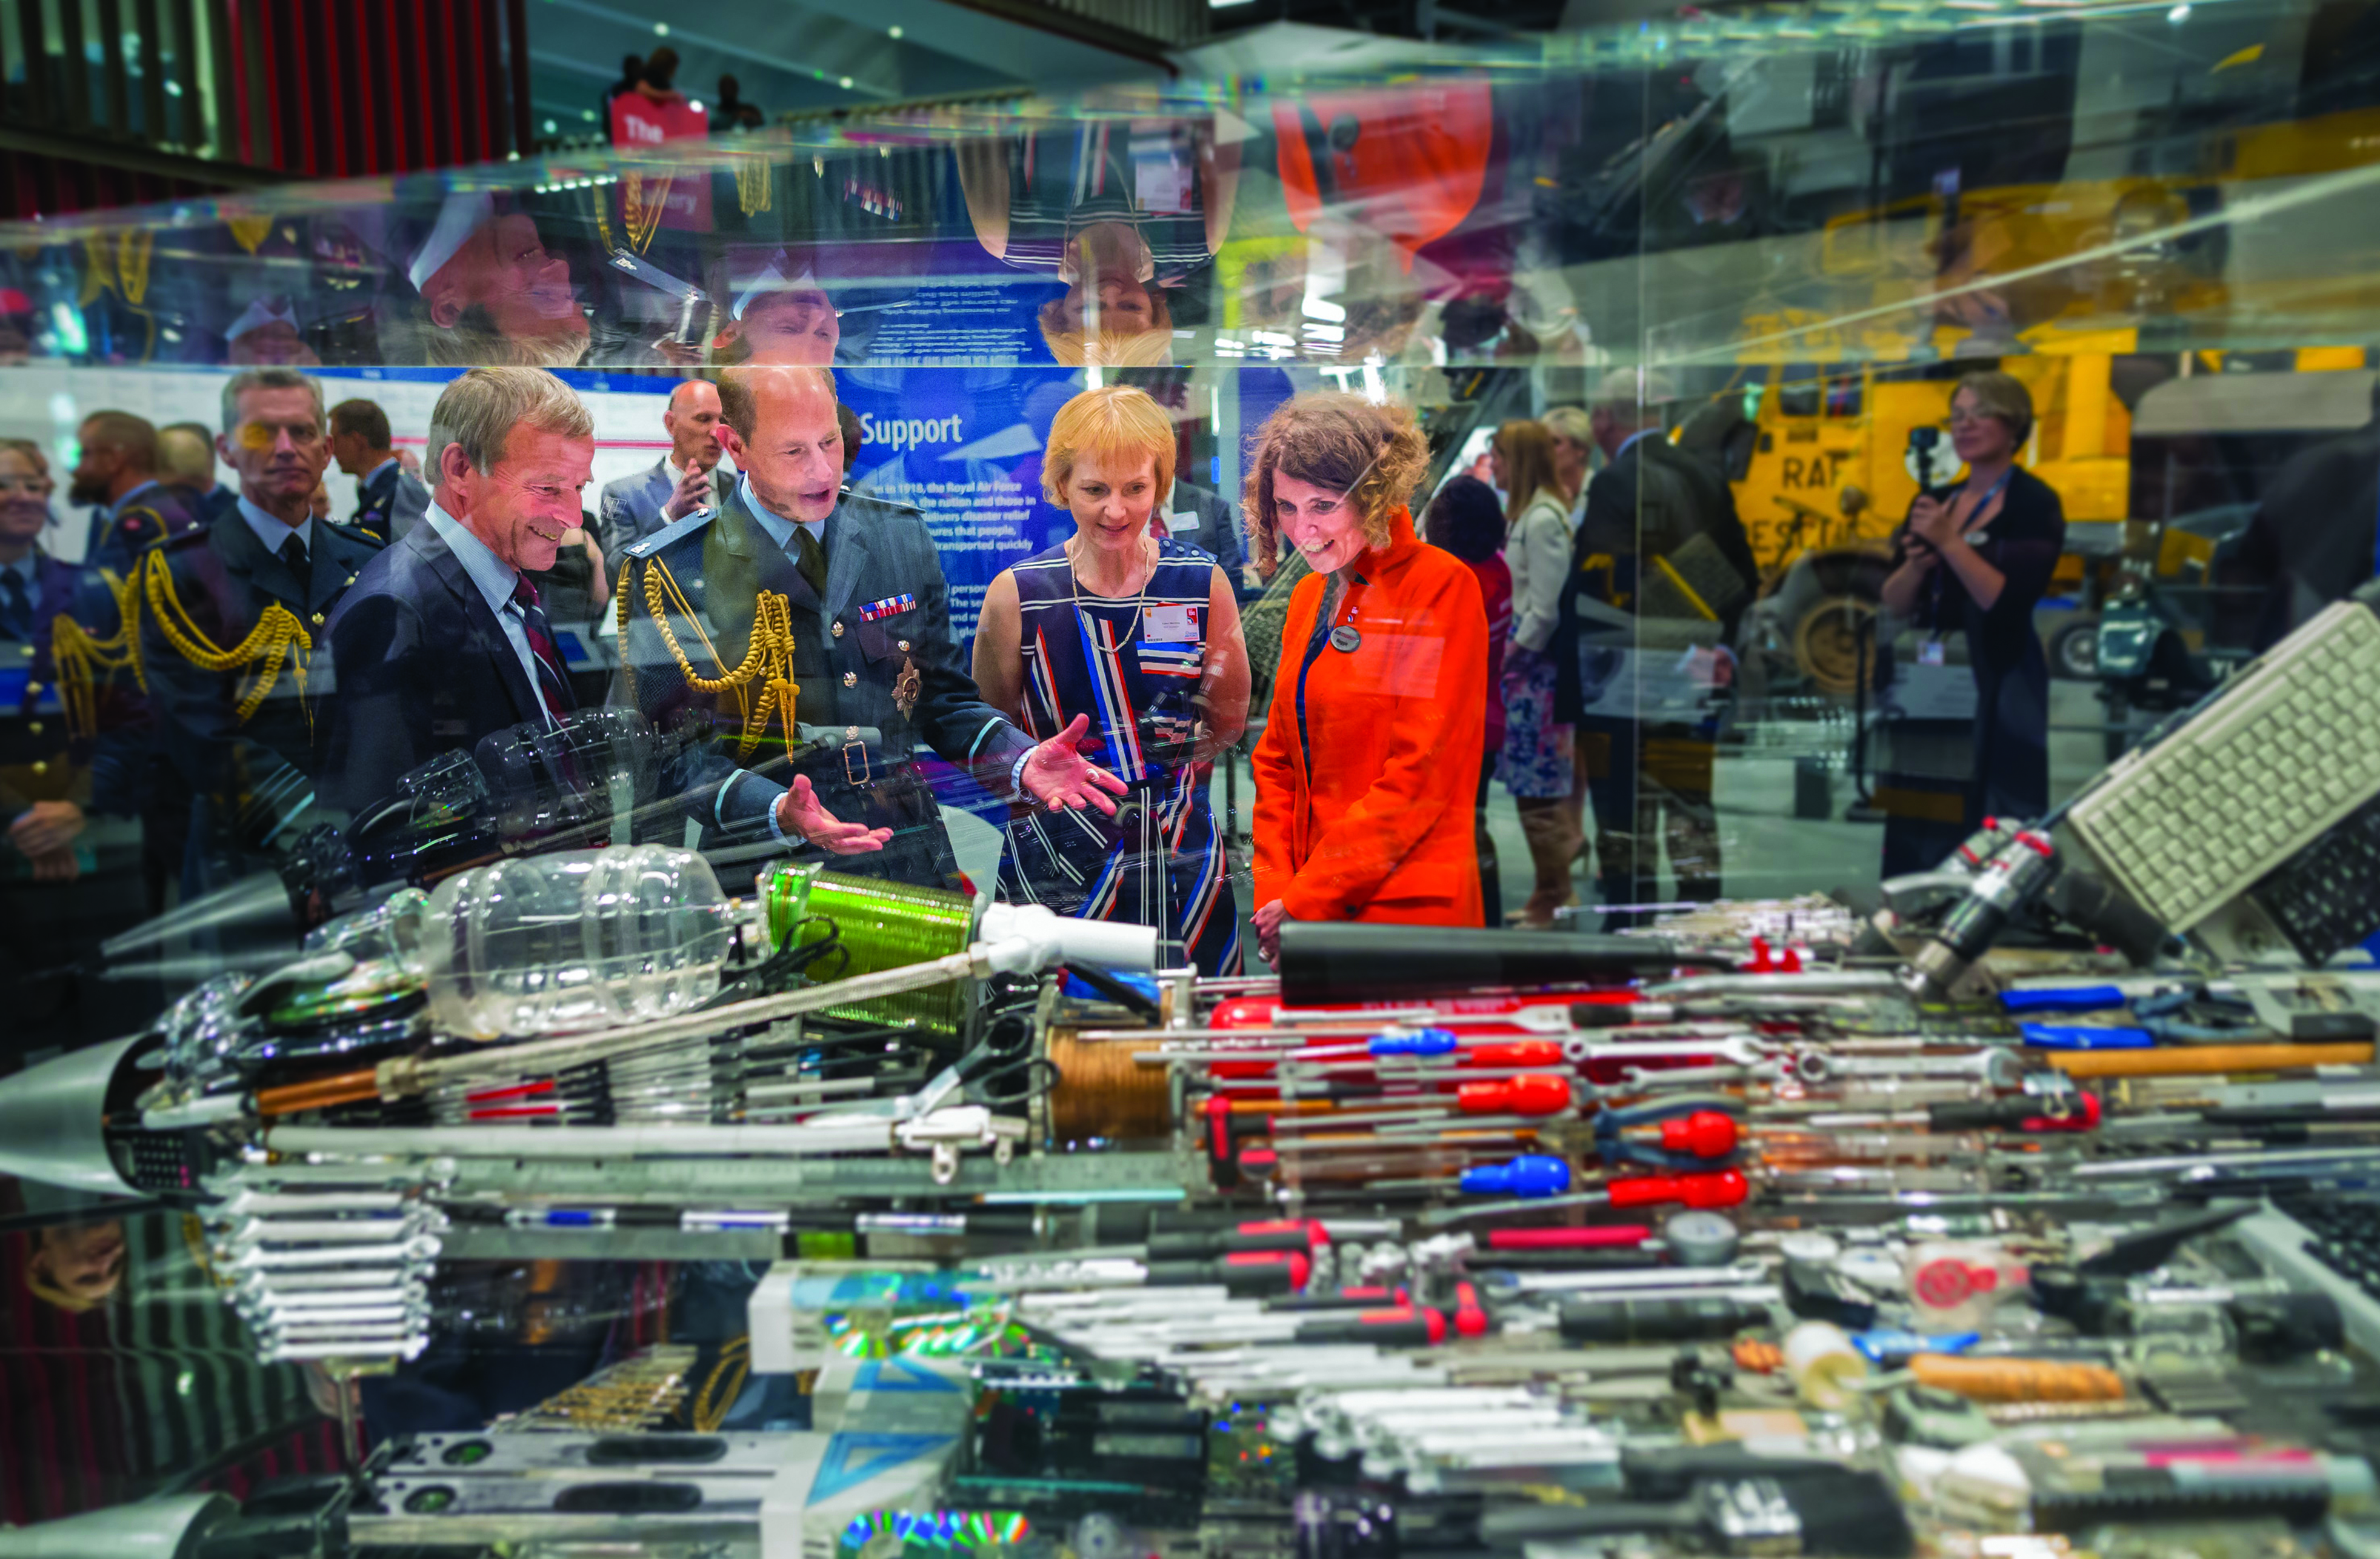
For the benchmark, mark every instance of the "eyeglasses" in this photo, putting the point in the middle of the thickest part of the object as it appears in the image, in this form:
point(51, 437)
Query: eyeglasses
point(1968, 418)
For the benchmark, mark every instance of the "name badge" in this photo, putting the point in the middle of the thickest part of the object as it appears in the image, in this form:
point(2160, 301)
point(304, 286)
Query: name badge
point(1171, 624)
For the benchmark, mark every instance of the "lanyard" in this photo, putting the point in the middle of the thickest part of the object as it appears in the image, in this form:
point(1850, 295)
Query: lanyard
point(1935, 582)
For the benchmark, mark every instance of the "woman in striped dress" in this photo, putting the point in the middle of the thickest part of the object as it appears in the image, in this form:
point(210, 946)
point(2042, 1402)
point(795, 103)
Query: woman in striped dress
point(1139, 635)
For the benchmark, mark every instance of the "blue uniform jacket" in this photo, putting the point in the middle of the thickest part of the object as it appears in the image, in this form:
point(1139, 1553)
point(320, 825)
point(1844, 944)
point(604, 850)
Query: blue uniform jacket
point(253, 775)
point(391, 504)
point(41, 760)
point(876, 661)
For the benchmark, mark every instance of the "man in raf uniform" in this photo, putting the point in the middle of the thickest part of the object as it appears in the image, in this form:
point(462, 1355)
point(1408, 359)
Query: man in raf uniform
point(230, 618)
point(803, 631)
point(389, 500)
point(133, 506)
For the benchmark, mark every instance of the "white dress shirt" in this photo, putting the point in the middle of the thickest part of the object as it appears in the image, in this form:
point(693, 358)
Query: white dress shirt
point(496, 579)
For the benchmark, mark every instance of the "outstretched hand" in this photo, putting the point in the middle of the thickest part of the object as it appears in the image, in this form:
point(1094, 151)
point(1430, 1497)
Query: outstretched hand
point(1059, 775)
point(799, 811)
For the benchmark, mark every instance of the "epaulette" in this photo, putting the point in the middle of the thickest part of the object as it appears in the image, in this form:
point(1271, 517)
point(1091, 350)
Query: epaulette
point(136, 525)
point(881, 503)
point(645, 546)
point(350, 527)
point(195, 533)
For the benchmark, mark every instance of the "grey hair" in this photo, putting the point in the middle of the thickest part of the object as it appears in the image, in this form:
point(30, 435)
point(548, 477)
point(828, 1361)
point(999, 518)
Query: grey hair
point(1636, 393)
point(479, 410)
point(268, 379)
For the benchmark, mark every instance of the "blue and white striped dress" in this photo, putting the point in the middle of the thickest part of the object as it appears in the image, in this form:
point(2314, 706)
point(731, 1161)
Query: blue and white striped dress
point(1160, 861)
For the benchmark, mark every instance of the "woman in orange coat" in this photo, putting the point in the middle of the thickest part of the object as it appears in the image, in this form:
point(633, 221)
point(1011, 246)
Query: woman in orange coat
point(1366, 770)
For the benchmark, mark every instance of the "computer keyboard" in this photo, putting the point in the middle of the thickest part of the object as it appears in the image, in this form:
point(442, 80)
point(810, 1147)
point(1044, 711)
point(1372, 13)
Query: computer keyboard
point(2327, 895)
point(2335, 1250)
point(2291, 748)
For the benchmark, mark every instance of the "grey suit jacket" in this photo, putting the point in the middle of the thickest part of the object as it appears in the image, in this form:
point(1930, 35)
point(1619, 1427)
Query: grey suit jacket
point(630, 509)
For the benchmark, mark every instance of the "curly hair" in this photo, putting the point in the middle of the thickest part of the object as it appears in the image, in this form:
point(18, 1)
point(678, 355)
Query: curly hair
point(1374, 453)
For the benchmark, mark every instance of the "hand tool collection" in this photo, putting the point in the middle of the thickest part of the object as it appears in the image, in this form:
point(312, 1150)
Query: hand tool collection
point(1975, 1219)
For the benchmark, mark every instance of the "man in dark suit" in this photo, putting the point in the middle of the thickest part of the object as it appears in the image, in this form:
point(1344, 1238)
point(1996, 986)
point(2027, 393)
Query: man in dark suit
point(1200, 517)
point(689, 477)
point(1660, 569)
point(231, 661)
point(812, 735)
point(132, 505)
point(389, 500)
point(444, 639)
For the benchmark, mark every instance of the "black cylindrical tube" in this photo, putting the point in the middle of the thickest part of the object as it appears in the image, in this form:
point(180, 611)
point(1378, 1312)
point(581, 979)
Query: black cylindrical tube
point(1325, 961)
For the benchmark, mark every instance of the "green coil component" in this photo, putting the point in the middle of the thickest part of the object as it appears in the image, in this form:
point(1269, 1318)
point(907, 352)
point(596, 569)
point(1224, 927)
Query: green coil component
point(882, 926)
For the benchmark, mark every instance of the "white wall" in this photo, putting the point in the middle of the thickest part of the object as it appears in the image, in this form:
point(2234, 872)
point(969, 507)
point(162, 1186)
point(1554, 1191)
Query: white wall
point(48, 402)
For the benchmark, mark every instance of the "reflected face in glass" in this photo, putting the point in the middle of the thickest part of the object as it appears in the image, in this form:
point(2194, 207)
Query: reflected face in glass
point(84, 1264)
point(1110, 499)
point(692, 424)
point(1322, 525)
point(795, 456)
point(1976, 434)
point(506, 271)
point(275, 344)
point(279, 448)
point(528, 503)
point(1496, 466)
point(799, 328)
point(1107, 266)
point(24, 500)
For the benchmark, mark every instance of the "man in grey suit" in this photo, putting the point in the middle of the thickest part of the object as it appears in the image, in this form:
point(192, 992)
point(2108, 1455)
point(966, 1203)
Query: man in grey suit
point(800, 634)
point(689, 477)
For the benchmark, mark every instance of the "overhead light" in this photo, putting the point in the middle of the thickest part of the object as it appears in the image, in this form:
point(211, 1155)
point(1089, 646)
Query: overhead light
point(551, 126)
point(661, 30)
point(2179, 14)
point(1227, 5)
point(694, 106)
point(892, 32)
point(844, 83)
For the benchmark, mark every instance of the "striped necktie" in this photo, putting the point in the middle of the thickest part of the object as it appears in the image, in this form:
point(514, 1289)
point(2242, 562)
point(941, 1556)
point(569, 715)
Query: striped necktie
point(553, 685)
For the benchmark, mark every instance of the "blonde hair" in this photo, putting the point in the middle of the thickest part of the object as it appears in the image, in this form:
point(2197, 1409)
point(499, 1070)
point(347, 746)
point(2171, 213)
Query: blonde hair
point(2002, 395)
point(1112, 424)
point(1528, 451)
point(1070, 347)
point(1374, 452)
point(1573, 424)
point(479, 410)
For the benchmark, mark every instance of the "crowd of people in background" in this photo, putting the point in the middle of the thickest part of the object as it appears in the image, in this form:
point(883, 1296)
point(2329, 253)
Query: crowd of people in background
point(228, 658)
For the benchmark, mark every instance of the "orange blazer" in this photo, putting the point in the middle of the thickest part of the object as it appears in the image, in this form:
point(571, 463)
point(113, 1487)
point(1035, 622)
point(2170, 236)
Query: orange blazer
point(1369, 763)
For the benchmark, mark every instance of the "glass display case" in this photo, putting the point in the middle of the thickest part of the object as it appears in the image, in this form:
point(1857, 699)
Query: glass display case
point(611, 898)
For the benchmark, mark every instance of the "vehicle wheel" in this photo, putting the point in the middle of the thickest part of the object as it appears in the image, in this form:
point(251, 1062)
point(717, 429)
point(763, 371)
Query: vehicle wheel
point(2074, 650)
point(1827, 641)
